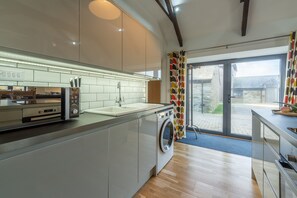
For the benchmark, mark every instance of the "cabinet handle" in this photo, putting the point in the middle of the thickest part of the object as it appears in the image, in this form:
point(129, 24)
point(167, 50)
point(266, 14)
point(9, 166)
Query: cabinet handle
point(286, 177)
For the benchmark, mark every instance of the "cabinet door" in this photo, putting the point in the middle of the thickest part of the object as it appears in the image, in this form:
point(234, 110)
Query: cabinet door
point(271, 171)
point(267, 189)
point(133, 46)
point(153, 56)
point(101, 39)
point(257, 151)
point(272, 138)
point(147, 147)
point(41, 26)
point(123, 157)
point(74, 168)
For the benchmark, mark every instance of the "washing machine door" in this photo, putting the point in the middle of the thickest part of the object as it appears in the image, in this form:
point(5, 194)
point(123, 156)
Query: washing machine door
point(166, 135)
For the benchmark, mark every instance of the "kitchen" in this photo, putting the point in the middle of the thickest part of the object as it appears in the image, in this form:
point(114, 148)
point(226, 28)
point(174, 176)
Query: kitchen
point(102, 60)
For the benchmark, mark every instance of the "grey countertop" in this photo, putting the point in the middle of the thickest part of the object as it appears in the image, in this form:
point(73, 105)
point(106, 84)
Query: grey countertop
point(278, 123)
point(15, 140)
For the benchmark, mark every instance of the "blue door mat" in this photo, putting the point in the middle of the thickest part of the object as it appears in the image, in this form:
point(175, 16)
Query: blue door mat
point(228, 145)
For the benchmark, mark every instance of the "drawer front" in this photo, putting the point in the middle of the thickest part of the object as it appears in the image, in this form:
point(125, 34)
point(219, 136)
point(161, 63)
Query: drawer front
point(271, 138)
point(270, 168)
point(267, 191)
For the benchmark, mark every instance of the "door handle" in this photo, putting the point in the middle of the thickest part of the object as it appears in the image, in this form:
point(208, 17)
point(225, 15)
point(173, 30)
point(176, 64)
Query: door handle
point(229, 98)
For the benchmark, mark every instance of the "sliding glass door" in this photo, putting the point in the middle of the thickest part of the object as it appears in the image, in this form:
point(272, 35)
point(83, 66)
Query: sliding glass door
point(207, 97)
point(221, 94)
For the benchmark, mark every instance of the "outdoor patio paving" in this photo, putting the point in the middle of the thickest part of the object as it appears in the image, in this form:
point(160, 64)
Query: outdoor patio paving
point(241, 119)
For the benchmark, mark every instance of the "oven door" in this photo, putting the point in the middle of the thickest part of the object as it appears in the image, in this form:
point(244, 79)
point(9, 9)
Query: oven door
point(166, 136)
point(288, 180)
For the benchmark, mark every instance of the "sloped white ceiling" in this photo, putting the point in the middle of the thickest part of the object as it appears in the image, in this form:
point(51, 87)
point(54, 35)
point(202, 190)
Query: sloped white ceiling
point(209, 23)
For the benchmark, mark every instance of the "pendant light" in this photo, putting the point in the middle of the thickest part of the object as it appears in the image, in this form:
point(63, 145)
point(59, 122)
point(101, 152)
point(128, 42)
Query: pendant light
point(104, 9)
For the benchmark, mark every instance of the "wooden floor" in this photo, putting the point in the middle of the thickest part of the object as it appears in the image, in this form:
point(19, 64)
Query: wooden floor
point(200, 172)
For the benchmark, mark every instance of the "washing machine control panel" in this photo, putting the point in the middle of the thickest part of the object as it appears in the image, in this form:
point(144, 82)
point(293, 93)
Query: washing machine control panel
point(165, 114)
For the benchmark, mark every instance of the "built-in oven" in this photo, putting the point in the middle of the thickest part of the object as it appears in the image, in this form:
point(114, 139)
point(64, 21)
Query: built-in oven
point(287, 167)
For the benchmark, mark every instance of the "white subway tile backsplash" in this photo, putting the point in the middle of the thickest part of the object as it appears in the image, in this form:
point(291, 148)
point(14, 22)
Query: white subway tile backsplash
point(113, 96)
point(102, 81)
point(15, 74)
point(84, 106)
point(113, 82)
point(88, 97)
point(34, 67)
point(85, 89)
point(142, 100)
point(96, 89)
point(42, 76)
point(65, 78)
point(132, 83)
point(96, 104)
point(109, 89)
point(11, 83)
point(124, 83)
point(102, 96)
point(109, 103)
point(87, 80)
point(59, 85)
point(78, 73)
point(64, 71)
point(38, 84)
point(96, 75)
point(108, 76)
point(7, 64)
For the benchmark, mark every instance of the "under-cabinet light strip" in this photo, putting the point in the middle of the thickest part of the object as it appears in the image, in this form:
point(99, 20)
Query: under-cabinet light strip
point(99, 72)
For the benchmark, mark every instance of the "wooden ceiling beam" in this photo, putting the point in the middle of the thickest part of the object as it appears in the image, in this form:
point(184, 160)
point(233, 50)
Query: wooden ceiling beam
point(172, 17)
point(246, 4)
point(164, 10)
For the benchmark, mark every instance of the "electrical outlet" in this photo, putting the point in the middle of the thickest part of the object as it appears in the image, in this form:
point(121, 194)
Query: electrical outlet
point(11, 75)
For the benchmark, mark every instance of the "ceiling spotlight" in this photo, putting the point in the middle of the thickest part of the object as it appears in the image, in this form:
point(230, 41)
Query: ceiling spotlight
point(176, 9)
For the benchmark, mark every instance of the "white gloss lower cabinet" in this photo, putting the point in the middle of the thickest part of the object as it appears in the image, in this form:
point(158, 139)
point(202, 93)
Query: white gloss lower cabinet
point(147, 147)
point(74, 168)
point(123, 158)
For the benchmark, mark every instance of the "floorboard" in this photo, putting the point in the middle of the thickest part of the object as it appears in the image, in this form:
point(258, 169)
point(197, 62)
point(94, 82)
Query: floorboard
point(200, 172)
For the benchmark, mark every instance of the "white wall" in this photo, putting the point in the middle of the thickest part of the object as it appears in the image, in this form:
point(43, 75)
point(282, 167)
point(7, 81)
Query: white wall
point(210, 23)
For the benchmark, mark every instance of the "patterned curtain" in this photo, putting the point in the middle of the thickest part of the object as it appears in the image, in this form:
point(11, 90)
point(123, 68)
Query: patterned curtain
point(290, 95)
point(177, 90)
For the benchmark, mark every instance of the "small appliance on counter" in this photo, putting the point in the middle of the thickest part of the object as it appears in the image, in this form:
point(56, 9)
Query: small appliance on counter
point(24, 106)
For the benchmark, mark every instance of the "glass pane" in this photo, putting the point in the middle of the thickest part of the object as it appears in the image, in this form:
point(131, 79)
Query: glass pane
point(253, 85)
point(167, 136)
point(208, 97)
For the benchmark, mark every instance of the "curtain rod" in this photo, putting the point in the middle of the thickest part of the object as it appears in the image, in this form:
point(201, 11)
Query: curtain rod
point(234, 44)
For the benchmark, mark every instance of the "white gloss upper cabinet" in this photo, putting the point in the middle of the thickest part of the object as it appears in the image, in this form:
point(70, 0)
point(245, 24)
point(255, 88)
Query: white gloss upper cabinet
point(153, 56)
point(101, 39)
point(41, 26)
point(133, 46)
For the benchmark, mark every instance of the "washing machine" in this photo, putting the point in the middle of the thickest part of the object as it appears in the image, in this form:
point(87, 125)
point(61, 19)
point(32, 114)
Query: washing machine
point(165, 138)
